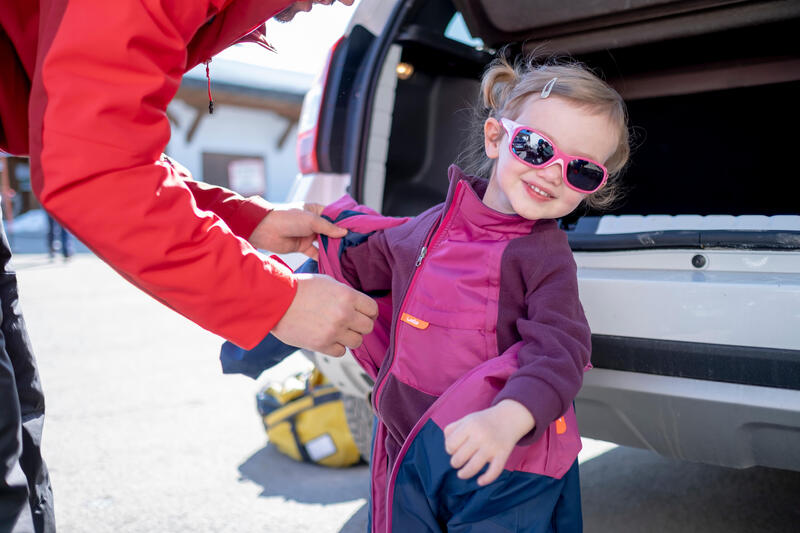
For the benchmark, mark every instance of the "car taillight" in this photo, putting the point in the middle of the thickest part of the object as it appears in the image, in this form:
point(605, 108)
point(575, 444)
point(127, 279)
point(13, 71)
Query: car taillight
point(309, 119)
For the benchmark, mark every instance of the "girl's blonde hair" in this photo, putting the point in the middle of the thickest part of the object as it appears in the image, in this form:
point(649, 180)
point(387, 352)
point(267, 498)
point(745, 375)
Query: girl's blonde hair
point(505, 88)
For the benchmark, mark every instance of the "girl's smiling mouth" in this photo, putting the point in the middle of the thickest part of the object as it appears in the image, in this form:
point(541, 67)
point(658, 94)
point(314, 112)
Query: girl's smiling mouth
point(539, 192)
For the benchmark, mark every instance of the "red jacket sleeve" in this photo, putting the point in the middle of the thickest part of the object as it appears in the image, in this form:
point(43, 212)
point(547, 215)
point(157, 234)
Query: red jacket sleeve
point(242, 215)
point(105, 74)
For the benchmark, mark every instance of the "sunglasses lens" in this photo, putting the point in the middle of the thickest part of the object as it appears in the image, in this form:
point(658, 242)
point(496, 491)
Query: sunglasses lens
point(584, 175)
point(531, 148)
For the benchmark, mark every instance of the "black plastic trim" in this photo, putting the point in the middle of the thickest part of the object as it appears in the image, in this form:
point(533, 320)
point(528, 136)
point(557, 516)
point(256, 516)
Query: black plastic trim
point(424, 36)
point(362, 99)
point(746, 365)
point(743, 240)
point(619, 26)
point(334, 107)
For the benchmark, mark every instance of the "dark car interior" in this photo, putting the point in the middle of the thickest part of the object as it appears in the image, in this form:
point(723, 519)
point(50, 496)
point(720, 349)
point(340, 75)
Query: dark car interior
point(713, 106)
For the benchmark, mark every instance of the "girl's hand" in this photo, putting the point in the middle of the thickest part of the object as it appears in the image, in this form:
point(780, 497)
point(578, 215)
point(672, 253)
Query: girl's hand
point(487, 436)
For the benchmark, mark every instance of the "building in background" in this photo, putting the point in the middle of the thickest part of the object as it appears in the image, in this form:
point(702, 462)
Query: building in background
point(248, 143)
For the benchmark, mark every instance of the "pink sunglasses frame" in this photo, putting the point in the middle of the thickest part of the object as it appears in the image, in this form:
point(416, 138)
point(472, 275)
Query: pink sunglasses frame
point(512, 128)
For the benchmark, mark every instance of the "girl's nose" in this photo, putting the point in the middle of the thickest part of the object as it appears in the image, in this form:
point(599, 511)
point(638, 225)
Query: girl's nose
point(553, 173)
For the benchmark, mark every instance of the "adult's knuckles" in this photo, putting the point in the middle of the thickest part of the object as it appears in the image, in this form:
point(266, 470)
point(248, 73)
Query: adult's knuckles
point(335, 350)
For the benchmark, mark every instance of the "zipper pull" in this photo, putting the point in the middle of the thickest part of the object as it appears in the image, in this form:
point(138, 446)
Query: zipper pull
point(210, 99)
point(422, 255)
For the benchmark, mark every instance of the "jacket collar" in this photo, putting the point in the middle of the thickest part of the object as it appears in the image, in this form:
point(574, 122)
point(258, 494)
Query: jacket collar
point(471, 209)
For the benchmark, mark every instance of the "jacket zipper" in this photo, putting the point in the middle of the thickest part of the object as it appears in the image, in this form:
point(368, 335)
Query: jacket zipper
point(429, 242)
point(421, 256)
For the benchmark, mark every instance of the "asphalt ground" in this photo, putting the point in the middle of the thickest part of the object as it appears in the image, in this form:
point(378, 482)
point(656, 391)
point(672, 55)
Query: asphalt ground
point(144, 434)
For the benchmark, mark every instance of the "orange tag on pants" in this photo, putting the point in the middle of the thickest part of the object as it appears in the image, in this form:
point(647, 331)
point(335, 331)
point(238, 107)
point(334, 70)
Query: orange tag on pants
point(413, 321)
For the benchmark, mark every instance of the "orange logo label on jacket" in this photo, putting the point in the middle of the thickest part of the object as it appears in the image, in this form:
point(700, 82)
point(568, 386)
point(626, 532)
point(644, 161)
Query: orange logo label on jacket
point(561, 426)
point(414, 321)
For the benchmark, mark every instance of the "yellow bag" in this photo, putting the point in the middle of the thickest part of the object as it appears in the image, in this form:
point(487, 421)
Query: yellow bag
point(304, 418)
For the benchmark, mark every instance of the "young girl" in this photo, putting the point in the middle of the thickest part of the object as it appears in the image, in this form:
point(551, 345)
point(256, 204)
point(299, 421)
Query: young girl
point(484, 342)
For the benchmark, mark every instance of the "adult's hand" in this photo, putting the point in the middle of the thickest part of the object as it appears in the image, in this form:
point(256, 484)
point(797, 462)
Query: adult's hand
point(326, 316)
point(293, 228)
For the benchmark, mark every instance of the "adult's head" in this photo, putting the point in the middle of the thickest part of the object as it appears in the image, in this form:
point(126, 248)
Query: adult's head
point(305, 5)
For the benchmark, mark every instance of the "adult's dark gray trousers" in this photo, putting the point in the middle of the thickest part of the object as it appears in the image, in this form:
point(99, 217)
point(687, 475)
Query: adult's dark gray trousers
point(26, 499)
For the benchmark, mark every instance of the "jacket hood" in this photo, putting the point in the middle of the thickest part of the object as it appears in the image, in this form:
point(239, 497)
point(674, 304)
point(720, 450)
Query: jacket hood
point(237, 20)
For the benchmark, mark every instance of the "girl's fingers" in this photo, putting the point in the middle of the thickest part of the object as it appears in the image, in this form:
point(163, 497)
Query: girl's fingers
point(453, 439)
point(462, 454)
point(473, 466)
point(493, 472)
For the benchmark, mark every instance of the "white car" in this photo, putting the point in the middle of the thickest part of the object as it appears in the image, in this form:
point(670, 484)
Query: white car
point(692, 285)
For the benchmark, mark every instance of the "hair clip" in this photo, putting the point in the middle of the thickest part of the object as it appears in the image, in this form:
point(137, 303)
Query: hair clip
point(548, 87)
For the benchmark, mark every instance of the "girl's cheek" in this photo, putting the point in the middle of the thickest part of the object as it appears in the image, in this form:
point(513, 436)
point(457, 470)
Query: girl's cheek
point(574, 198)
point(571, 201)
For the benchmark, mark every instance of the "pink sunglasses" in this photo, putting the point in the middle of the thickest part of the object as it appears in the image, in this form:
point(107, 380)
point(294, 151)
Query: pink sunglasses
point(537, 151)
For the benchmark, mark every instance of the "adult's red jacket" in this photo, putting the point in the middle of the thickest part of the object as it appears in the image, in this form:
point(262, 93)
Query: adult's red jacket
point(84, 87)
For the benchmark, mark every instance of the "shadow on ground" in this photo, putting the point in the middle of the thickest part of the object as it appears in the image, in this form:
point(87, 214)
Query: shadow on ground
point(358, 522)
point(628, 490)
point(279, 475)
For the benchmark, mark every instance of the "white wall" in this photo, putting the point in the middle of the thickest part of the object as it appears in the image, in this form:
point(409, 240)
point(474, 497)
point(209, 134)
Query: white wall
point(236, 130)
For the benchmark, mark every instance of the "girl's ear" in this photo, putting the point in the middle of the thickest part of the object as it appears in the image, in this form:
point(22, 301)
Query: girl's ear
point(492, 135)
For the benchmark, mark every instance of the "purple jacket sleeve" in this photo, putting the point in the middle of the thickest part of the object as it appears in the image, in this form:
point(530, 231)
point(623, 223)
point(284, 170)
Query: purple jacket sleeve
point(367, 267)
point(557, 342)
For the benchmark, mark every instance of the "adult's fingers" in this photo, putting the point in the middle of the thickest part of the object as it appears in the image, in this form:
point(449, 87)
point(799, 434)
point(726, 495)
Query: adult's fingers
point(324, 227)
point(361, 324)
point(366, 305)
point(309, 250)
point(312, 207)
point(351, 339)
point(334, 350)
point(323, 316)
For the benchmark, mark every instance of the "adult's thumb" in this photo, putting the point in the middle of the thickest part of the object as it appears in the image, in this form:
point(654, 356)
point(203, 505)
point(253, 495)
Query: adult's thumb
point(323, 227)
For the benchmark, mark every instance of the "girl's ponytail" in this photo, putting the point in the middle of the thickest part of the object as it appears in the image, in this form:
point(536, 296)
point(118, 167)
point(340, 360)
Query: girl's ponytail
point(497, 84)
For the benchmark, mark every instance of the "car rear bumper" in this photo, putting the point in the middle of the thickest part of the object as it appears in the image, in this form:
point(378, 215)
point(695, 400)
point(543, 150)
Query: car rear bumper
point(726, 424)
